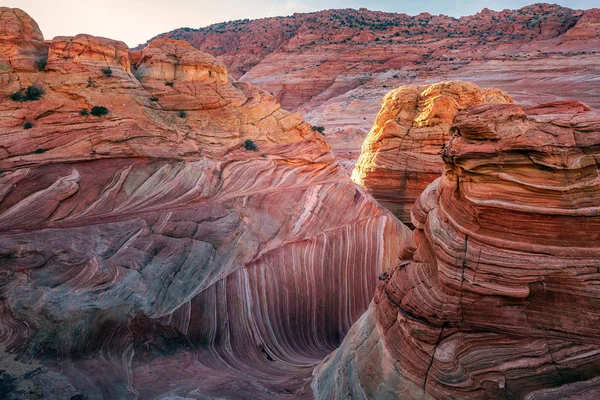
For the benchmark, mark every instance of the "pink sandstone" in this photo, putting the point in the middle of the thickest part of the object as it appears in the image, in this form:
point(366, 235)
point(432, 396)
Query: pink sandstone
point(146, 252)
point(496, 294)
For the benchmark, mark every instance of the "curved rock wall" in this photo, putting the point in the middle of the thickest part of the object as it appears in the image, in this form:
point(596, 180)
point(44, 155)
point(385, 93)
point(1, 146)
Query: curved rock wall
point(194, 241)
point(497, 294)
point(401, 154)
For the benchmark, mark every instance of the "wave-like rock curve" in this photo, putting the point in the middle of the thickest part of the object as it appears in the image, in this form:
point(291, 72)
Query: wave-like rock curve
point(497, 295)
point(194, 241)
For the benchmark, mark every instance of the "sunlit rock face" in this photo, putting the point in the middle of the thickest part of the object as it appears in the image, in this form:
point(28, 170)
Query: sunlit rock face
point(401, 154)
point(83, 53)
point(192, 241)
point(497, 293)
point(22, 46)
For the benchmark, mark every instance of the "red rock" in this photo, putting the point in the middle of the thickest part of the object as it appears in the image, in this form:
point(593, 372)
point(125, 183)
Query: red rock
point(85, 53)
point(147, 253)
point(184, 78)
point(558, 107)
point(22, 45)
point(334, 66)
point(401, 154)
point(496, 295)
point(587, 27)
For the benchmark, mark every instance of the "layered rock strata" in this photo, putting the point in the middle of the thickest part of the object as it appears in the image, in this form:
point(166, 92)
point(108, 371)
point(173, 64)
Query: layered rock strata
point(334, 66)
point(497, 294)
point(401, 155)
point(22, 46)
point(167, 231)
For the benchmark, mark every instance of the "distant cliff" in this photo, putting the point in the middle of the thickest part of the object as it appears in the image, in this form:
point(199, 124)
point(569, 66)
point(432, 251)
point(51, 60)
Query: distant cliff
point(335, 66)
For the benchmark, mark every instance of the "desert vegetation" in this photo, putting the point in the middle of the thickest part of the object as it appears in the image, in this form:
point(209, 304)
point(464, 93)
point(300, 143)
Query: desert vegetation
point(31, 93)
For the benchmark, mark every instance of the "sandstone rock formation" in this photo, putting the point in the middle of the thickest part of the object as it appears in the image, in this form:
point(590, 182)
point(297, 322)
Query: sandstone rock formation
point(22, 46)
point(401, 155)
point(167, 231)
point(334, 66)
point(497, 294)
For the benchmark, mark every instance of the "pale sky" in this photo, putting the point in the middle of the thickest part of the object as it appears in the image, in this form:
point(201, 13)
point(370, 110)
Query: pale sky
point(136, 21)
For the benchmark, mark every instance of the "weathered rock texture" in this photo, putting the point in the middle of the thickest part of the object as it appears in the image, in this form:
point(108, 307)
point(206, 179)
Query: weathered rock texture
point(498, 293)
point(401, 155)
point(145, 252)
point(334, 66)
point(22, 46)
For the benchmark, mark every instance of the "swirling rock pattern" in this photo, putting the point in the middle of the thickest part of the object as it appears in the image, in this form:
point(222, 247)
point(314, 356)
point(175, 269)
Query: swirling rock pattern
point(498, 293)
point(146, 253)
point(401, 154)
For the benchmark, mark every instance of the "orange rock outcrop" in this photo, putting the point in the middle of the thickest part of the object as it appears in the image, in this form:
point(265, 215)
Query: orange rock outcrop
point(166, 230)
point(85, 53)
point(496, 294)
point(401, 155)
point(22, 46)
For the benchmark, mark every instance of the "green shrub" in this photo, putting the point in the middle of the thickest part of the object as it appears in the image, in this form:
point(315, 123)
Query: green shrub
point(41, 63)
point(169, 83)
point(40, 150)
point(17, 96)
point(250, 145)
point(182, 114)
point(28, 125)
point(107, 71)
point(98, 111)
point(84, 112)
point(31, 93)
point(320, 129)
point(153, 98)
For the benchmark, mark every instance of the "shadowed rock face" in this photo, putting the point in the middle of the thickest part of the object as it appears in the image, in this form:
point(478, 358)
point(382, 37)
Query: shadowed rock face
point(147, 253)
point(497, 295)
point(401, 154)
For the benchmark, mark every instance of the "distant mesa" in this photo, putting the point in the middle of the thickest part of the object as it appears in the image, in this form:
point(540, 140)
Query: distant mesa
point(335, 66)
